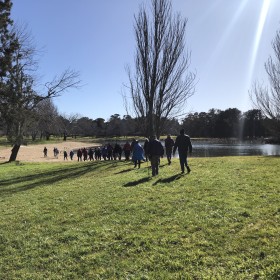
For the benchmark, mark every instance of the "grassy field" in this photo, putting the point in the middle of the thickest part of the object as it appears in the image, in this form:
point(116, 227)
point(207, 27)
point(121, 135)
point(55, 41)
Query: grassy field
point(107, 220)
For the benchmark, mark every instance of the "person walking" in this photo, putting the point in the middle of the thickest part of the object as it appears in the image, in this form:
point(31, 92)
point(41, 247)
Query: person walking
point(127, 150)
point(45, 152)
point(110, 152)
point(97, 153)
point(117, 152)
point(90, 154)
point(184, 145)
point(146, 149)
point(65, 155)
point(71, 154)
point(85, 154)
point(169, 143)
point(155, 152)
point(137, 154)
point(79, 154)
point(104, 152)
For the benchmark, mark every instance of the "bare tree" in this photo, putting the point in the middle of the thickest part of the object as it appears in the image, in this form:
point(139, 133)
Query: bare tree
point(162, 82)
point(267, 99)
point(43, 120)
point(19, 96)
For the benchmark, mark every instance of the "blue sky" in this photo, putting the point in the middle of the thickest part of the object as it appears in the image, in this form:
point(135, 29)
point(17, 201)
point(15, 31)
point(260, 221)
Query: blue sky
point(229, 40)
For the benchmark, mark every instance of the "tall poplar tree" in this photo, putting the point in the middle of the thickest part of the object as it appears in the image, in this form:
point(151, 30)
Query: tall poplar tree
point(161, 83)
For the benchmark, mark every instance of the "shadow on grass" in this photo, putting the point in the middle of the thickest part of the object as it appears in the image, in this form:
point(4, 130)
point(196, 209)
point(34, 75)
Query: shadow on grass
point(137, 182)
point(169, 179)
point(41, 179)
point(275, 275)
point(124, 171)
point(117, 163)
point(5, 162)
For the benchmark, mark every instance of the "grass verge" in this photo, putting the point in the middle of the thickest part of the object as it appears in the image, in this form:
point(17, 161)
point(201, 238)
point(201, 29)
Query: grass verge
point(107, 220)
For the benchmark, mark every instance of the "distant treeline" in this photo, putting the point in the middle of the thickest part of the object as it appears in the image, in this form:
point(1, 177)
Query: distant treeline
point(229, 123)
point(213, 124)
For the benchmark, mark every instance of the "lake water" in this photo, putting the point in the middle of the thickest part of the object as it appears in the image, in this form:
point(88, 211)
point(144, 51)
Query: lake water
point(209, 149)
point(216, 150)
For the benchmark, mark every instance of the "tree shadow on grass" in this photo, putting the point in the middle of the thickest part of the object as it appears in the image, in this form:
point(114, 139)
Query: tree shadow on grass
point(137, 182)
point(169, 179)
point(42, 179)
point(4, 162)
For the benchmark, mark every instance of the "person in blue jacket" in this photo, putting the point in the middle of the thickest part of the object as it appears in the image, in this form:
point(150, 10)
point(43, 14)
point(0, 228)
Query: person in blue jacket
point(137, 154)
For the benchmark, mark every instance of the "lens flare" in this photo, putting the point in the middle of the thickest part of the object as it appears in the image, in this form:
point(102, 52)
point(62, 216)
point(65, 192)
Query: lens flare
point(258, 36)
point(230, 27)
point(256, 43)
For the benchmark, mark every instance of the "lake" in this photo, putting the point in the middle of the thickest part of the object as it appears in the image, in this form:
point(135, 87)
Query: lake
point(211, 149)
point(217, 150)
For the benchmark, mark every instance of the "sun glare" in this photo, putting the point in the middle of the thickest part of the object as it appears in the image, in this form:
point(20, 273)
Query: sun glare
point(258, 36)
point(256, 43)
point(230, 27)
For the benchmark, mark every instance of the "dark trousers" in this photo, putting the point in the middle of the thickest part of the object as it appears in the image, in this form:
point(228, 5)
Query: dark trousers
point(169, 154)
point(183, 162)
point(126, 154)
point(155, 164)
point(137, 162)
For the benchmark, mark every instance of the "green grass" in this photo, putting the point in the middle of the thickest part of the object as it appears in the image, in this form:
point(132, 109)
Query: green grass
point(107, 220)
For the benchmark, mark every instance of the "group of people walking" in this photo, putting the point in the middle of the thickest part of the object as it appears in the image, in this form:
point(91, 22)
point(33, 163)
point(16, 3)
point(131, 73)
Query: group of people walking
point(152, 151)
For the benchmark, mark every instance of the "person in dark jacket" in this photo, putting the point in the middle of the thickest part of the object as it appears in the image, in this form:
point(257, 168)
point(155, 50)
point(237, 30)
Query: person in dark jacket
point(127, 150)
point(169, 143)
point(85, 154)
point(65, 155)
point(90, 154)
point(110, 152)
point(79, 154)
point(155, 152)
point(71, 154)
point(117, 152)
point(184, 145)
point(45, 152)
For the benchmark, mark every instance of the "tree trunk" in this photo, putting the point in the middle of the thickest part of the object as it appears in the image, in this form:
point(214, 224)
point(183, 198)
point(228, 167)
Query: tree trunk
point(150, 122)
point(14, 153)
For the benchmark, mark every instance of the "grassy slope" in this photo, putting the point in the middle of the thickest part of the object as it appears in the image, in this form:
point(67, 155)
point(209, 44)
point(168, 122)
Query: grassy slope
point(106, 220)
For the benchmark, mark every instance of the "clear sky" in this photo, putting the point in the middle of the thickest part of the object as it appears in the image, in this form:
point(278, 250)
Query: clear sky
point(229, 40)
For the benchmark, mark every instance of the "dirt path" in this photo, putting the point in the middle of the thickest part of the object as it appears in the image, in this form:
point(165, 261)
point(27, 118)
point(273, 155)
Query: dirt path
point(34, 153)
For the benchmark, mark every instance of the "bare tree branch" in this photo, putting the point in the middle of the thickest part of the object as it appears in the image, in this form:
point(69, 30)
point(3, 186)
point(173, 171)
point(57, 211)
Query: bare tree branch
point(19, 96)
point(161, 82)
point(267, 99)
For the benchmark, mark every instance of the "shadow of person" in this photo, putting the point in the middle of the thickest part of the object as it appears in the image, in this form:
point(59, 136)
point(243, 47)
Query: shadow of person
point(135, 183)
point(169, 179)
point(124, 171)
